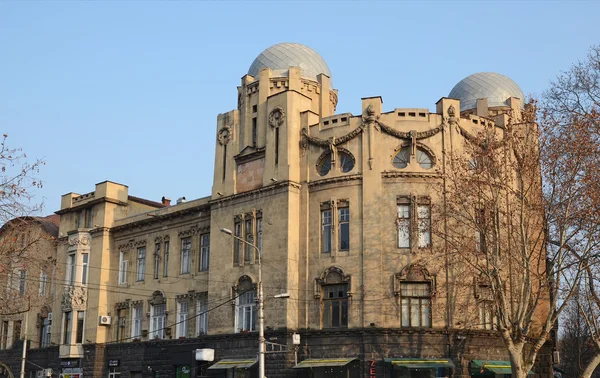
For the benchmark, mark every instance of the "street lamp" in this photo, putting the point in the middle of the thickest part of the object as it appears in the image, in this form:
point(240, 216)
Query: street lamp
point(261, 306)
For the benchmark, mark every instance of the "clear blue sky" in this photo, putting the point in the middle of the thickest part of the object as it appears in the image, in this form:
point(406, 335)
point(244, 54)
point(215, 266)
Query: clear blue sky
point(130, 91)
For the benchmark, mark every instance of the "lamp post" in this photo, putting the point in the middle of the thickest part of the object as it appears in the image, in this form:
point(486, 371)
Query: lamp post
point(261, 306)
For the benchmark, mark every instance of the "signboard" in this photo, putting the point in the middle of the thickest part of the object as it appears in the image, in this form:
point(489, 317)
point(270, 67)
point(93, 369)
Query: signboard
point(183, 371)
point(114, 363)
point(372, 371)
point(69, 363)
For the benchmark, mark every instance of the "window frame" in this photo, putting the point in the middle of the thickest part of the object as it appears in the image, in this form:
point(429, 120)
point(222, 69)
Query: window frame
point(326, 230)
point(186, 255)
point(157, 260)
point(85, 261)
point(141, 265)
point(158, 320)
point(202, 315)
point(71, 268)
point(204, 260)
point(420, 301)
point(166, 259)
point(136, 320)
point(67, 327)
point(330, 303)
point(182, 319)
point(343, 222)
point(123, 267)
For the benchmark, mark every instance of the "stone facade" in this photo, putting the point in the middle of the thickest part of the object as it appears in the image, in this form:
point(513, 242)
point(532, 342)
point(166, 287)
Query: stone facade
point(321, 197)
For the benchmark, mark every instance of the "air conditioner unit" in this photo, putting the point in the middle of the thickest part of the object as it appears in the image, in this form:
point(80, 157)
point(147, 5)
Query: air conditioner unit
point(104, 320)
point(47, 372)
point(49, 316)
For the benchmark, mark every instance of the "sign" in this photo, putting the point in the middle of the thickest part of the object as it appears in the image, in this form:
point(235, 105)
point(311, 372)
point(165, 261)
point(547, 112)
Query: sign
point(372, 370)
point(69, 363)
point(114, 363)
point(183, 371)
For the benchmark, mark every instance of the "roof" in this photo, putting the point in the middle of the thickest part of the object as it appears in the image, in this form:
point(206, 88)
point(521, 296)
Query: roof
point(145, 201)
point(230, 363)
point(280, 57)
point(323, 362)
point(49, 223)
point(496, 88)
point(421, 363)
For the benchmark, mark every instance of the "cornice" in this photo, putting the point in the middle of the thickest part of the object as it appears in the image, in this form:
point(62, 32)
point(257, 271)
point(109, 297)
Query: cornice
point(335, 180)
point(88, 204)
point(254, 155)
point(388, 174)
point(259, 191)
point(159, 218)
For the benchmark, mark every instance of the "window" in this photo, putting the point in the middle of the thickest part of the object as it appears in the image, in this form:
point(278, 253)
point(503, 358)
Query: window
point(324, 165)
point(136, 321)
point(345, 160)
point(67, 327)
point(245, 318)
point(46, 331)
point(22, 281)
point(237, 244)
point(158, 318)
point(402, 158)
point(141, 264)
point(335, 306)
point(186, 250)
point(259, 235)
point(182, 319)
point(114, 373)
point(79, 330)
point(249, 239)
point(88, 218)
point(254, 132)
point(485, 306)
point(416, 304)
point(204, 252)
point(71, 269)
point(344, 225)
point(326, 231)
point(84, 268)
point(43, 284)
point(403, 222)
point(16, 331)
point(4, 334)
point(123, 265)
point(166, 260)
point(424, 225)
point(121, 320)
point(156, 260)
point(202, 315)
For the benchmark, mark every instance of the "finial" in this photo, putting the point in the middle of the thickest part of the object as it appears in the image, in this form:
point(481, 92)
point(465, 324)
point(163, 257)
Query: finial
point(451, 111)
point(370, 110)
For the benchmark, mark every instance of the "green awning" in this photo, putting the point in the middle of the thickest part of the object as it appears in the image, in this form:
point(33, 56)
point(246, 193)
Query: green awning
point(323, 362)
point(421, 363)
point(231, 363)
point(487, 366)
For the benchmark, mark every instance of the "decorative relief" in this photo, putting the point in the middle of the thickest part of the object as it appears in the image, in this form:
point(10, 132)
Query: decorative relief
point(189, 232)
point(413, 273)
point(276, 117)
point(122, 305)
point(411, 135)
point(224, 135)
point(132, 244)
point(158, 239)
point(74, 298)
point(329, 143)
point(75, 241)
point(331, 275)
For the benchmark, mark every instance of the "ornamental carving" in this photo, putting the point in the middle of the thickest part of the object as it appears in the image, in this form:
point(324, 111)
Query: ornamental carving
point(74, 298)
point(411, 135)
point(276, 117)
point(413, 273)
point(332, 275)
point(329, 143)
point(75, 241)
point(224, 135)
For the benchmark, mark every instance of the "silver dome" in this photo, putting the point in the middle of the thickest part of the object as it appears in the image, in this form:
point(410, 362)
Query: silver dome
point(280, 57)
point(493, 86)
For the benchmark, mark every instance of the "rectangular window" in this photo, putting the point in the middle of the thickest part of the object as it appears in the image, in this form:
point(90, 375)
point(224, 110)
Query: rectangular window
point(115, 373)
point(123, 265)
point(335, 306)
point(424, 225)
point(121, 319)
point(204, 252)
point(259, 234)
point(254, 132)
point(166, 260)
point(344, 225)
point(249, 236)
point(4, 334)
point(403, 226)
point(237, 244)
point(202, 315)
point(84, 268)
point(182, 319)
point(22, 281)
point(71, 269)
point(326, 231)
point(16, 331)
point(67, 327)
point(486, 315)
point(43, 284)
point(246, 311)
point(88, 218)
point(157, 321)
point(480, 231)
point(46, 331)
point(186, 251)
point(80, 219)
point(141, 264)
point(416, 304)
point(136, 321)
point(79, 331)
point(156, 260)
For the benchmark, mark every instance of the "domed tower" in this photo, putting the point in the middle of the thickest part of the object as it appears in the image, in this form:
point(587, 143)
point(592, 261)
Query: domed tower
point(487, 94)
point(286, 86)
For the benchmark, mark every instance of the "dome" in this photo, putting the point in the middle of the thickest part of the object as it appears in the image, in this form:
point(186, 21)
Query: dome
point(495, 87)
point(280, 57)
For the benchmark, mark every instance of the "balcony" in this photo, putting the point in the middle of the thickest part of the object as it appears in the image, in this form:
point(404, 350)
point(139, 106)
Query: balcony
point(70, 351)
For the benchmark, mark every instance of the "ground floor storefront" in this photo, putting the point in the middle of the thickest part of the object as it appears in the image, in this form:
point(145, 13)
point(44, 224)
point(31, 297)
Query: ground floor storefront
point(368, 353)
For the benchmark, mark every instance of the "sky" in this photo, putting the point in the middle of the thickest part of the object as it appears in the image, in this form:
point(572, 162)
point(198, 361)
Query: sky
point(129, 91)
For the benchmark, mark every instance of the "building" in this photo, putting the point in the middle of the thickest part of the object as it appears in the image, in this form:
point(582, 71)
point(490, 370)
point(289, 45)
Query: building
point(338, 206)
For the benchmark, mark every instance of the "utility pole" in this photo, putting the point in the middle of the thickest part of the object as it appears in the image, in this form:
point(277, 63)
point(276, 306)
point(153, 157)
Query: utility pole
point(25, 340)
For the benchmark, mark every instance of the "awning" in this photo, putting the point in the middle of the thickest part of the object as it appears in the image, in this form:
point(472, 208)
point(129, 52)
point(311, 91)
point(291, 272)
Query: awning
point(421, 363)
point(487, 366)
point(323, 362)
point(232, 363)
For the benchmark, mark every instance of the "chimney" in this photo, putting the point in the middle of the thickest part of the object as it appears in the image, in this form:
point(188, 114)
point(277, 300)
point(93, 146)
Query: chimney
point(166, 201)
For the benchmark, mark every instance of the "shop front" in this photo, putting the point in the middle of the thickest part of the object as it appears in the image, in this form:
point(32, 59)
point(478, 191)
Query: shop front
point(419, 367)
point(71, 368)
point(487, 368)
point(329, 367)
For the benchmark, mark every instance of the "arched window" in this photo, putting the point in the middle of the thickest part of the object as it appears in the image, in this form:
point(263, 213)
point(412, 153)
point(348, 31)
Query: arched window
point(415, 287)
point(158, 315)
point(334, 304)
point(245, 305)
point(402, 158)
point(345, 162)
